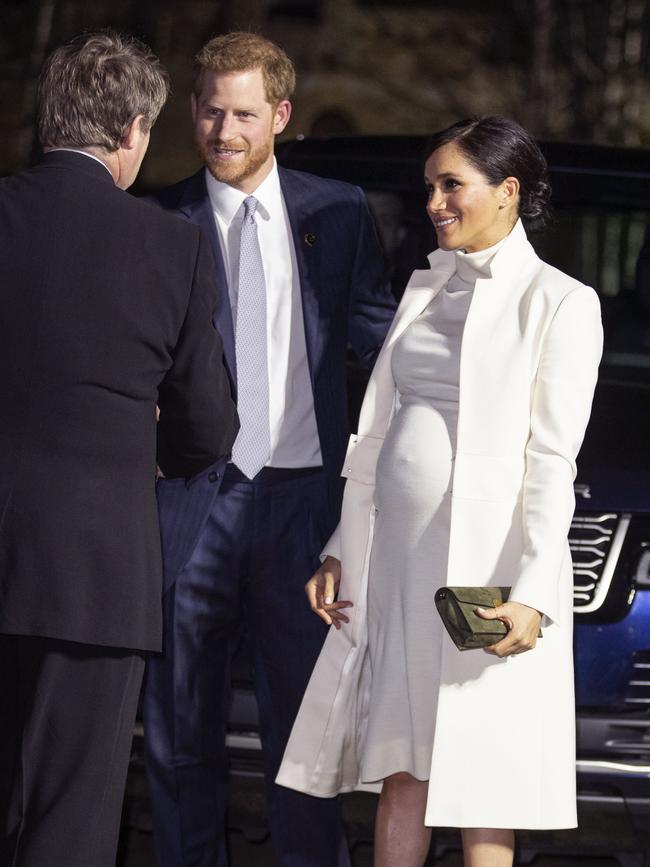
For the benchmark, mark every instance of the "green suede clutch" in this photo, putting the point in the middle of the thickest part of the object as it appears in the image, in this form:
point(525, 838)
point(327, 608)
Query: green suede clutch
point(468, 631)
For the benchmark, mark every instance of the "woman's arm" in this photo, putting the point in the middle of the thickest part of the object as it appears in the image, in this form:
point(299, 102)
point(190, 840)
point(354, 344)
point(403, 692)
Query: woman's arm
point(561, 404)
point(562, 395)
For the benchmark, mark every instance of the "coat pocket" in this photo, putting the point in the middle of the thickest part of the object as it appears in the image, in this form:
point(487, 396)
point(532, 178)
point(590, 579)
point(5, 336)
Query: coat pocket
point(361, 458)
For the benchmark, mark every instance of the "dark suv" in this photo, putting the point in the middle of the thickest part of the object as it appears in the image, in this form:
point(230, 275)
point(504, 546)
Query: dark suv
point(598, 233)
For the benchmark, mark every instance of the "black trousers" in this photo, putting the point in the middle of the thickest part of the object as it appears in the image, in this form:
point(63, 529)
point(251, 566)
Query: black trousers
point(66, 723)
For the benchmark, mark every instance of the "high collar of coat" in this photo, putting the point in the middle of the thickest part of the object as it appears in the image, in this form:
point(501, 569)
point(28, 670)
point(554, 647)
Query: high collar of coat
point(506, 266)
point(512, 266)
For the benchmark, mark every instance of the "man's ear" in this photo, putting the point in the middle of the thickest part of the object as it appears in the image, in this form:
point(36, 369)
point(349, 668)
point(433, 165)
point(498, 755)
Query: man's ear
point(281, 116)
point(133, 133)
point(194, 104)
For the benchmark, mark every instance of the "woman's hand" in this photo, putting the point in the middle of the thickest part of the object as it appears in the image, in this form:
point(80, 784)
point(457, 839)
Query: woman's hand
point(321, 590)
point(523, 627)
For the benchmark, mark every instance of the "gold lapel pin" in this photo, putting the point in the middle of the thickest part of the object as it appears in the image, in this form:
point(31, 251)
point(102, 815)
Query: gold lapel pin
point(310, 239)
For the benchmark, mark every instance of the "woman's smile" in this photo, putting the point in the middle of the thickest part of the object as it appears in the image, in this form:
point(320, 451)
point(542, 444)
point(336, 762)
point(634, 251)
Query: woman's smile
point(467, 211)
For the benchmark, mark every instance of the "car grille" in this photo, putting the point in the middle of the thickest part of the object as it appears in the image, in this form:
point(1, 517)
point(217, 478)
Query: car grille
point(638, 686)
point(595, 541)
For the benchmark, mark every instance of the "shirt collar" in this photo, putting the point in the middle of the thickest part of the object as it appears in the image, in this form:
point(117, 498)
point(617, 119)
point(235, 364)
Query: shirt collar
point(226, 200)
point(85, 153)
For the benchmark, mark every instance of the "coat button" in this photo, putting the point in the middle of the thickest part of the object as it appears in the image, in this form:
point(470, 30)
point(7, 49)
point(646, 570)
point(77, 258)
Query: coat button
point(212, 477)
point(348, 470)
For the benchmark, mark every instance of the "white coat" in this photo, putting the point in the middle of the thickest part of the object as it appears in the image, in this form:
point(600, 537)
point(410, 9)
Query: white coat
point(504, 748)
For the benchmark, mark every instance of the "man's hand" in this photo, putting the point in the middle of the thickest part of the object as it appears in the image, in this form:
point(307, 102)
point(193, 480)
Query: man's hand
point(523, 627)
point(321, 590)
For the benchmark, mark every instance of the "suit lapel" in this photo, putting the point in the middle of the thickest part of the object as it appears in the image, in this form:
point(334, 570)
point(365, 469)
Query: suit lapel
point(195, 205)
point(493, 338)
point(494, 297)
point(303, 226)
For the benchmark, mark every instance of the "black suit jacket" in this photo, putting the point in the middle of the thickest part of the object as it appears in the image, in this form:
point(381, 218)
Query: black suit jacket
point(106, 310)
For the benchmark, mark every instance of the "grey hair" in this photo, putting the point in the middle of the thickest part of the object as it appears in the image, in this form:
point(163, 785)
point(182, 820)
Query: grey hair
point(92, 88)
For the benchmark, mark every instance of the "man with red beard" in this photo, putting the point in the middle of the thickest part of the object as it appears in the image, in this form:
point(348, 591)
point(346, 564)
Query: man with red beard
point(300, 276)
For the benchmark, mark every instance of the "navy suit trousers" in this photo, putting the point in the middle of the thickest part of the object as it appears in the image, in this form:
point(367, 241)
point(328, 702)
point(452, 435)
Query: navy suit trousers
point(258, 548)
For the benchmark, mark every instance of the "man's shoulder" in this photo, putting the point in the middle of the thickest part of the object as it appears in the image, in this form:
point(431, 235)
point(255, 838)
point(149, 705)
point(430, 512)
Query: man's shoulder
point(155, 214)
point(189, 191)
point(180, 194)
point(297, 182)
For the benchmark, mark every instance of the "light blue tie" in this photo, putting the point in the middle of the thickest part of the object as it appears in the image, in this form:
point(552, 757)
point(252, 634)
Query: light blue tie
point(252, 447)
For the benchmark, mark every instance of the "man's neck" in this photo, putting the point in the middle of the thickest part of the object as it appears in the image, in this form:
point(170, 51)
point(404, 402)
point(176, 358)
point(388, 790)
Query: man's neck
point(249, 185)
point(104, 157)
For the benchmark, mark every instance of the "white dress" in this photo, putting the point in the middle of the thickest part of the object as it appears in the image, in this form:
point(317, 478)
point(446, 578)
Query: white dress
point(531, 345)
point(411, 539)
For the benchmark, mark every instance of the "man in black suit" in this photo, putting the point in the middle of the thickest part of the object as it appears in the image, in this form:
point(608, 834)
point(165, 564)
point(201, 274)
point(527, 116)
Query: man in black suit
point(107, 310)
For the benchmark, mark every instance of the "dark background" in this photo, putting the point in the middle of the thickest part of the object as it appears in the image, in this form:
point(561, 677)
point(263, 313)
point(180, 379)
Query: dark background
point(575, 70)
point(567, 69)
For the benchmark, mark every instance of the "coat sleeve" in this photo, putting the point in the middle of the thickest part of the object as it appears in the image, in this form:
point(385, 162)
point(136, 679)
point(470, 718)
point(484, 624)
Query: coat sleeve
point(198, 420)
point(561, 404)
point(333, 546)
point(372, 304)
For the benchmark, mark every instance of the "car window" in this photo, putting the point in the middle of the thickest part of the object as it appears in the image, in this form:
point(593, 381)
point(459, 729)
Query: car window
point(606, 248)
point(609, 250)
point(405, 233)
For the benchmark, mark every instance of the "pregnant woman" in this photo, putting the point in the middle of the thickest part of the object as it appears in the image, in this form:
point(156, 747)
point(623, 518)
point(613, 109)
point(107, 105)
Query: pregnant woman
point(461, 474)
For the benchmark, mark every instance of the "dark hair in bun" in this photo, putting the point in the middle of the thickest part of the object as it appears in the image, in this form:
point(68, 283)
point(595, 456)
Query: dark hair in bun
point(500, 148)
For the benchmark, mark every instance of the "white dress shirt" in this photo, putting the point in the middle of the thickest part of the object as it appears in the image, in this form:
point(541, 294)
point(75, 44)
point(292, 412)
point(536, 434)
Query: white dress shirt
point(294, 434)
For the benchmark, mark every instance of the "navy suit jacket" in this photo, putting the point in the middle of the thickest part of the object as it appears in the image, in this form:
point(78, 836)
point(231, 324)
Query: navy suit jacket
point(345, 299)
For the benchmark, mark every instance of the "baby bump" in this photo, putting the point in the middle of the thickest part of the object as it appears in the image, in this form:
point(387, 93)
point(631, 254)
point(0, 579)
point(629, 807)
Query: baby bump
point(414, 468)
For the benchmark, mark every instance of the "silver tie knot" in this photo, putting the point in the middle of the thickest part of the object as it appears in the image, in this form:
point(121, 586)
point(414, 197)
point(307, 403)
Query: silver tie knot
point(250, 205)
